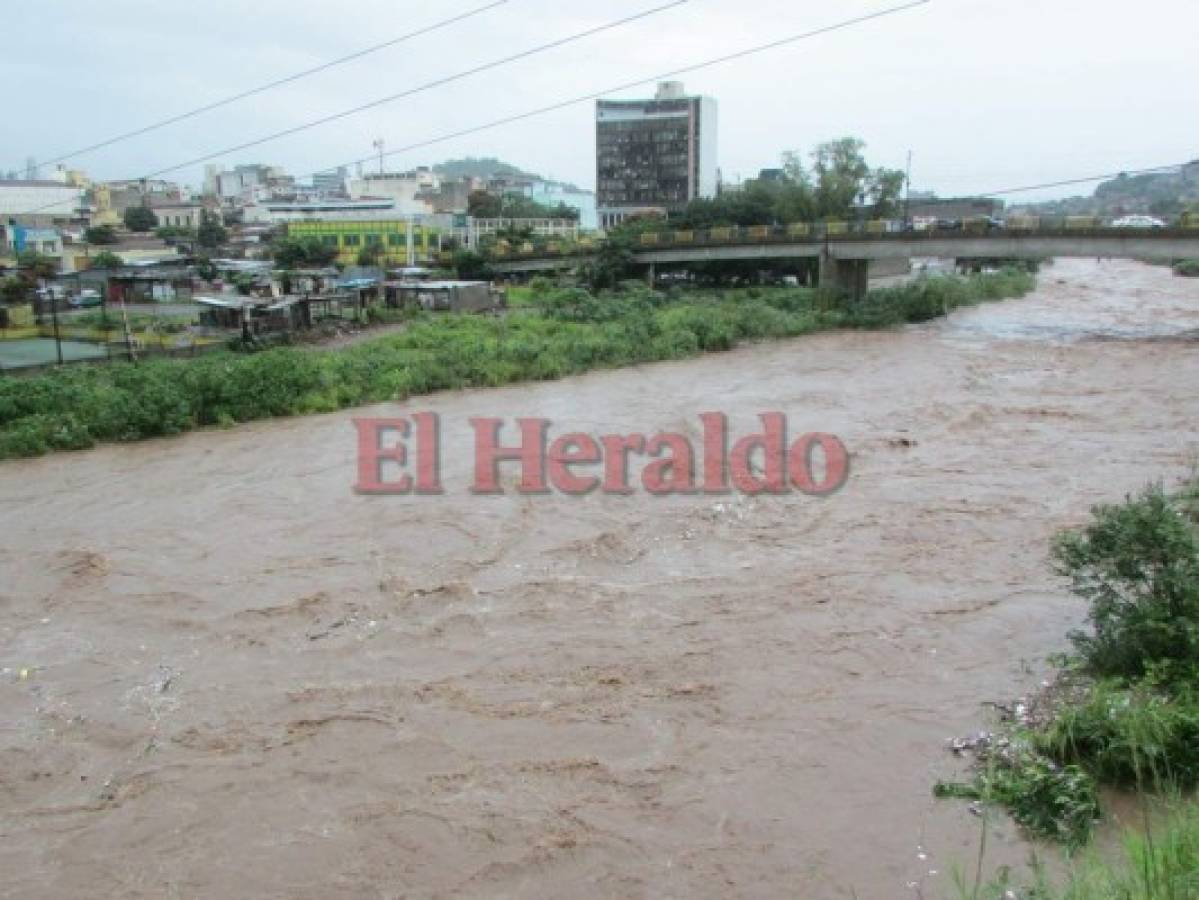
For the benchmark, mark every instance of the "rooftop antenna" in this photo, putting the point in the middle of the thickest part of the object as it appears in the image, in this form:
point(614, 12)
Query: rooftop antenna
point(379, 144)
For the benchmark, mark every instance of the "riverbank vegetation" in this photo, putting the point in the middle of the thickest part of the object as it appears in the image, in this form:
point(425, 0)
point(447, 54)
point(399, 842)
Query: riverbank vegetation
point(1124, 710)
point(564, 332)
point(1188, 268)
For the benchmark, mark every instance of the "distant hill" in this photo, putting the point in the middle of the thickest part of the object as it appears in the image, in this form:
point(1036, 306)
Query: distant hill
point(1161, 194)
point(489, 167)
point(480, 167)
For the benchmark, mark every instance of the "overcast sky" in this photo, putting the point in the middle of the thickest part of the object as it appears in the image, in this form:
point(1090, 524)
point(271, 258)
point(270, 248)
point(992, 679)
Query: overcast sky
point(987, 94)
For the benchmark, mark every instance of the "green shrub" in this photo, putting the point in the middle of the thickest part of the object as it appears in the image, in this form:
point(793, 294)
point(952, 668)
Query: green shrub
point(567, 331)
point(1188, 268)
point(1131, 737)
point(1138, 566)
point(1059, 803)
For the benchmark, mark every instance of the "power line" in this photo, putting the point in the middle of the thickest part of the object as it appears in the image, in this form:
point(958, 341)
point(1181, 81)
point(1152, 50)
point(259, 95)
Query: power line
point(1088, 180)
point(740, 54)
point(554, 107)
point(359, 54)
point(440, 82)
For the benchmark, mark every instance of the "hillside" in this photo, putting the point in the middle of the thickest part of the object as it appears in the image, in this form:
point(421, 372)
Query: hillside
point(480, 167)
point(1163, 194)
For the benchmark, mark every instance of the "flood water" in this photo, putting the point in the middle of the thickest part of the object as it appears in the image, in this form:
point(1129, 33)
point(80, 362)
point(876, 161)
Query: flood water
point(243, 679)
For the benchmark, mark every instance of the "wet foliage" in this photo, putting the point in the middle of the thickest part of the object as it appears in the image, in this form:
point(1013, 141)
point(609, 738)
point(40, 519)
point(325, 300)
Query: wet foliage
point(1130, 716)
point(564, 332)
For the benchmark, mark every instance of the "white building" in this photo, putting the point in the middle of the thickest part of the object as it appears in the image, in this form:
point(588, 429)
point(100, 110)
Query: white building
point(178, 215)
point(275, 212)
point(244, 184)
point(41, 199)
point(404, 188)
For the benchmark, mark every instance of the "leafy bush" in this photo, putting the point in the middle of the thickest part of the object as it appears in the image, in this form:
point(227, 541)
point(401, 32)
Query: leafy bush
point(1188, 268)
point(1132, 737)
point(568, 332)
point(1134, 719)
point(1048, 801)
point(1138, 565)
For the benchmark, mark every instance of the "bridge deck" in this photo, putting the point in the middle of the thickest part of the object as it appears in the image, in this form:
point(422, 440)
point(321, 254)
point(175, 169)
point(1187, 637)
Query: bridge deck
point(1132, 244)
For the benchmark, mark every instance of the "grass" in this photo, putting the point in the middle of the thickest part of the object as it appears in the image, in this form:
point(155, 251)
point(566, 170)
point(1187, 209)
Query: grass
point(1157, 864)
point(1126, 709)
point(565, 332)
point(1188, 268)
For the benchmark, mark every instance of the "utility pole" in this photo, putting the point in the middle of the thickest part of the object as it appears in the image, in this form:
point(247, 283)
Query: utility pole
point(411, 236)
point(907, 196)
point(54, 316)
point(379, 145)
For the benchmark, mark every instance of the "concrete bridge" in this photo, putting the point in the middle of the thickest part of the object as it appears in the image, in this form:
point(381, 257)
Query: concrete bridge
point(844, 259)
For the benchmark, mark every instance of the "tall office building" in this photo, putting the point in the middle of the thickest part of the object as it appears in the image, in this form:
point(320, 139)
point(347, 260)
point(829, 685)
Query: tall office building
point(654, 155)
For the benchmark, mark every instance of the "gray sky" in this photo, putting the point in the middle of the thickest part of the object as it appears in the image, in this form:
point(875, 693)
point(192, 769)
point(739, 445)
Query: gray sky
point(986, 93)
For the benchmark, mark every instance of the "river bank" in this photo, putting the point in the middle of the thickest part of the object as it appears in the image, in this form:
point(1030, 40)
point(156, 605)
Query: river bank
point(226, 674)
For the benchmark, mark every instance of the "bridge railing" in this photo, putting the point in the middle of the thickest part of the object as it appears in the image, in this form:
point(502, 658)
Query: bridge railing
point(874, 229)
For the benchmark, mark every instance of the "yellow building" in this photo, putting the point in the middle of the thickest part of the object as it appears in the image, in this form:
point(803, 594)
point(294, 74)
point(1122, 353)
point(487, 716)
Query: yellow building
point(350, 238)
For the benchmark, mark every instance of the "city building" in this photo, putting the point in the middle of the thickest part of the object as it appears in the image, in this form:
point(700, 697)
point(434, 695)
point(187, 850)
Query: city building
point(121, 195)
point(453, 194)
point(388, 237)
point(654, 155)
point(297, 209)
point(16, 239)
point(244, 184)
point(469, 232)
point(332, 183)
point(178, 215)
point(407, 189)
point(41, 202)
point(551, 194)
point(932, 207)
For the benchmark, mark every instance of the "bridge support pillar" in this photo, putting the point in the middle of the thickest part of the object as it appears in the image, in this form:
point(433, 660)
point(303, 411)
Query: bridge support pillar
point(849, 275)
point(652, 276)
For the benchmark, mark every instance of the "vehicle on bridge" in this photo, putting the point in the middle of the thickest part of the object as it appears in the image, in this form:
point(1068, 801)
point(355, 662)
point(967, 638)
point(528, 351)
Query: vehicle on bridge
point(1138, 222)
point(662, 237)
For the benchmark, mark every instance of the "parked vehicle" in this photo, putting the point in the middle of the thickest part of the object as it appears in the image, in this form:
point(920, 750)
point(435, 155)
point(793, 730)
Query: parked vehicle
point(85, 298)
point(1138, 222)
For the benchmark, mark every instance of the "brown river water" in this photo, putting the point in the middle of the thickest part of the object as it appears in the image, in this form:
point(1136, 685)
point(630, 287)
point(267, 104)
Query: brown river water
point(243, 679)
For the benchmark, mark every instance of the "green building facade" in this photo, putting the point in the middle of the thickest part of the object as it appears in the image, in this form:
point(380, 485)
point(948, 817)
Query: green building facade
point(350, 238)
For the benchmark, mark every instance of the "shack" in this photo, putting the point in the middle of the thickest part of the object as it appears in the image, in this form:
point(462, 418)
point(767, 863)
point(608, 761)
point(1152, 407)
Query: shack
point(255, 315)
point(443, 296)
point(139, 283)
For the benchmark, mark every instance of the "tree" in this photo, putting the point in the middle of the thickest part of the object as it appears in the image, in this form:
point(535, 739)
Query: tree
point(294, 253)
point(211, 233)
point(102, 234)
point(483, 205)
point(470, 265)
point(14, 291)
point(370, 255)
point(140, 219)
point(884, 192)
point(840, 175)
point(34, 265)
point(613, 262)
point(205, 269)
point(107, 260)
point(839, 183)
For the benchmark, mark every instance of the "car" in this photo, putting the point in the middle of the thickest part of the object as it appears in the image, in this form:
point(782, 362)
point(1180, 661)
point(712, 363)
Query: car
point(1138, 222)
point(85, 298)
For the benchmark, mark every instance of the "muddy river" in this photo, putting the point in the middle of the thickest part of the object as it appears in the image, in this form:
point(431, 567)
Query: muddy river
point(225, 674)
